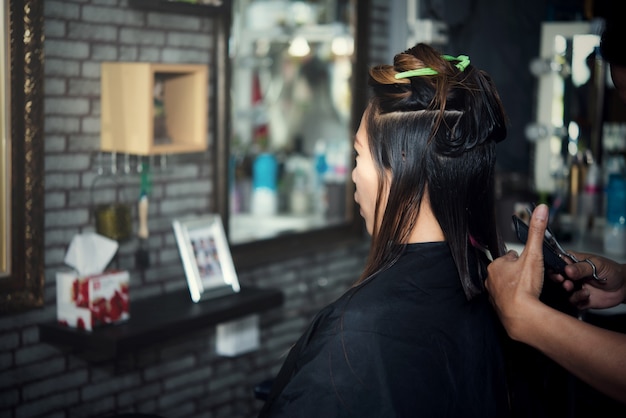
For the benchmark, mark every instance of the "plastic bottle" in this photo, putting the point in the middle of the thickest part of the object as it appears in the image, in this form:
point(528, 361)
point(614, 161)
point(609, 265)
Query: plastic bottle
point(264, 185)
point(615, 228)
point(590, 202)
point(320, 202)
point(298, 169)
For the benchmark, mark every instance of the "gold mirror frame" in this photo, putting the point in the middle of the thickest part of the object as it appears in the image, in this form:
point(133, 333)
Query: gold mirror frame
point(22, 278)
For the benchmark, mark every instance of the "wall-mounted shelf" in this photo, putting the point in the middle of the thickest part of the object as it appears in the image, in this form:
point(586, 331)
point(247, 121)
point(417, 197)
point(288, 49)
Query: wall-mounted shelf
point(150, 108)
point(211, 8)
point(156, 319)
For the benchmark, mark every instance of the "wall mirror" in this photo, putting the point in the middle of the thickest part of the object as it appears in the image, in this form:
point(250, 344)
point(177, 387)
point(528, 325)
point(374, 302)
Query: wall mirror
point(576, 108)
point(293, 113)
point(21, 156)
point(559, 69)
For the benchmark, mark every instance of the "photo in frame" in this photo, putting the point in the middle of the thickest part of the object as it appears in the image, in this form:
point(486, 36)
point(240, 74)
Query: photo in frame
point(206, 257)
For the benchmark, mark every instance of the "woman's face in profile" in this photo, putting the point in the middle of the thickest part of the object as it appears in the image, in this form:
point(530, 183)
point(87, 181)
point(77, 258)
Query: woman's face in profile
point(365, 178)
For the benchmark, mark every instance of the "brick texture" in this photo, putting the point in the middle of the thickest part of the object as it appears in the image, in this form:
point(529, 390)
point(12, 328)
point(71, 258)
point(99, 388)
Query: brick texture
point(181, 377)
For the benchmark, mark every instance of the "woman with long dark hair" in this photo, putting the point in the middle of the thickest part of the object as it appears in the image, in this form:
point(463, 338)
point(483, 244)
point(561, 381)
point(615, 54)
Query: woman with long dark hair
point(415, 335)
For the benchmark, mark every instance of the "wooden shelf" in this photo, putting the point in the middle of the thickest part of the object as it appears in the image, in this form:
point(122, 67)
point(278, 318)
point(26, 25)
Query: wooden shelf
point(133, 122)
point(155, 319)
point(212, 9)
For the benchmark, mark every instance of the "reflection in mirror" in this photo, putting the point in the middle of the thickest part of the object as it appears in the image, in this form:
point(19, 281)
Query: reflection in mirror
point(549, 133)
point(578, 136)
point(291, 113)
point(580, 103)
point(570, 110)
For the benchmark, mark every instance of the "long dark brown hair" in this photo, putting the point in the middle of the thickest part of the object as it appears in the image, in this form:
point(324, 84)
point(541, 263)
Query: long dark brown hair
point(436, 136)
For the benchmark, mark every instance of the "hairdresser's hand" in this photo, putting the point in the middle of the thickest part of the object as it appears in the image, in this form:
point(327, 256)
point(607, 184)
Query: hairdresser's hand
point(514, 282)
point(594, 293)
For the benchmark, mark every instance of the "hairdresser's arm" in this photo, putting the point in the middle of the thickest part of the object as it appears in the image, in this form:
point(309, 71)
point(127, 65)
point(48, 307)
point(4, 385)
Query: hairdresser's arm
point(595, 355)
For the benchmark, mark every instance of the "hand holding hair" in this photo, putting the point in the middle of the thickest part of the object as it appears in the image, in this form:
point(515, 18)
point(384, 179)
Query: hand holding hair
point(515, 282)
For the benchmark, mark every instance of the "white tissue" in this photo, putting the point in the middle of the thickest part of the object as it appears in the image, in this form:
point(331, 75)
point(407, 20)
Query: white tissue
point(89, 253)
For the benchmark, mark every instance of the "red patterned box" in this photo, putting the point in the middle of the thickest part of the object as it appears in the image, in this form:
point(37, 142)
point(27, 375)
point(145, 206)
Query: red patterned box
point(92, 301)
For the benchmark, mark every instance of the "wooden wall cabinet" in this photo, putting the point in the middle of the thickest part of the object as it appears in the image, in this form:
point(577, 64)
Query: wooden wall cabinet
point(150, 108)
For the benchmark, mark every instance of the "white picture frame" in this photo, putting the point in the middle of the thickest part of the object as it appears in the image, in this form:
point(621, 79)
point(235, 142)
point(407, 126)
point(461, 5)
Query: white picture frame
point(206, 257)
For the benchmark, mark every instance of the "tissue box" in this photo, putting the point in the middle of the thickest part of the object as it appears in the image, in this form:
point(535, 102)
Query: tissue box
point(91, 301)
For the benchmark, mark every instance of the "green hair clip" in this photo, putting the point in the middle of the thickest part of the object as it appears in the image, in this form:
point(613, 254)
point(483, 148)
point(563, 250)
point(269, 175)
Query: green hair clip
point(463, 62)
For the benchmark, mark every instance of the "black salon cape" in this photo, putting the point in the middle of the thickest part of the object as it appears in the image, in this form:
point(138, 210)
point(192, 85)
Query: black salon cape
point(406, 343)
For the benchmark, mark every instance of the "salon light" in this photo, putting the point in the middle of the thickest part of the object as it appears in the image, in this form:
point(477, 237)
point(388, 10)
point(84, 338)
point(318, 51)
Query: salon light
point(573, 130)
point(299, 47)
point(342, 46)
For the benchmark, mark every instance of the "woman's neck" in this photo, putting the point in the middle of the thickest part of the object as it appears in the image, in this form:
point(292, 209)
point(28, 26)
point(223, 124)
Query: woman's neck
point(426, 227)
